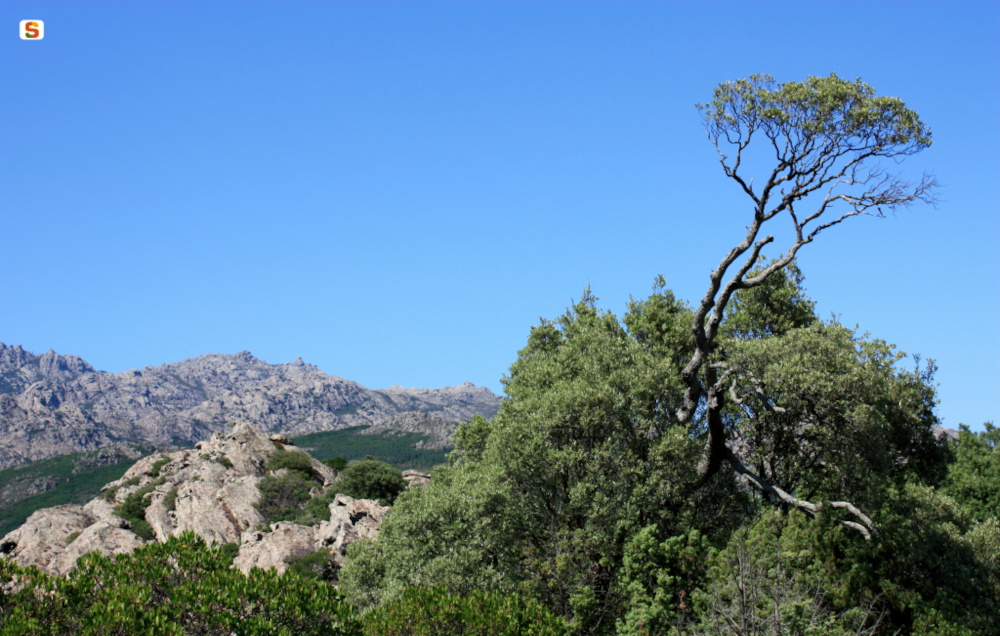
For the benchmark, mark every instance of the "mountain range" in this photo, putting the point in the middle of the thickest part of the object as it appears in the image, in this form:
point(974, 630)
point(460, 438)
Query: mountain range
point(53, 404)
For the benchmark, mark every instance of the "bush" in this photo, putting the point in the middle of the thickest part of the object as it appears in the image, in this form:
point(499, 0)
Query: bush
point(292, 461)
point(314, 566)
point(370, 479)
point(434, 612)
point(282, 498)
point(170, 500)
point(133, 510)
point(178, 587)
point(337, 463)
point(158, 466)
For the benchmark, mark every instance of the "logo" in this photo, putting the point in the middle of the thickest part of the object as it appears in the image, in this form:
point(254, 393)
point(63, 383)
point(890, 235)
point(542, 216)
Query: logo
point(32, 29)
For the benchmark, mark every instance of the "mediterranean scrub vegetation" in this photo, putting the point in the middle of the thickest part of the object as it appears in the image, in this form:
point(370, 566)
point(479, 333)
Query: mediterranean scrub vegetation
point(733, 466)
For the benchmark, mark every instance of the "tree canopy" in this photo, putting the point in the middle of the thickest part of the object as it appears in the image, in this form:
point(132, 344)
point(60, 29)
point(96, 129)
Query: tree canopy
point(646, 469)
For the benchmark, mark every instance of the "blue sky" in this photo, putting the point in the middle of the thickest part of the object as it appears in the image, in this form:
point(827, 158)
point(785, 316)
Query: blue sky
point(397, 191)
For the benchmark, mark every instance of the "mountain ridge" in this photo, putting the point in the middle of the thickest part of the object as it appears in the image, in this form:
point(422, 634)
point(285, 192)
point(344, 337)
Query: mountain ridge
point(53, 404)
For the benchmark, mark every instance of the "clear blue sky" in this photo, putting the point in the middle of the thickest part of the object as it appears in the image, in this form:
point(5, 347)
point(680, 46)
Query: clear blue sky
point(397, 191)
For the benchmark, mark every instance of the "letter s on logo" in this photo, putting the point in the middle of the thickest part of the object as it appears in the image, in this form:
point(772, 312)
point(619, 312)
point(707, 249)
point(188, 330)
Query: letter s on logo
point(32, 29)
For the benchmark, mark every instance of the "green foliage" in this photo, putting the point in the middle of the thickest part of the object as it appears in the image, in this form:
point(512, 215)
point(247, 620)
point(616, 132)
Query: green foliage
point(582, 493)
point(133, 509)
point(158, 465)
point(179, 587)
point(845, 404)
point(936, 563)
point(283, 497)
point(317, 509)
point(314, 566)
point(771, 309)
point(71, 537)
point(435, 612)
point(542, 500)
point(349, 443)
point(782, 574)
point(368, 479)
point(820, 112)
point(658, 579)
point(457, 532)
point(337, 463)
point(76, 488)
point(170, 499)
point(974, 477)
point(292, 460)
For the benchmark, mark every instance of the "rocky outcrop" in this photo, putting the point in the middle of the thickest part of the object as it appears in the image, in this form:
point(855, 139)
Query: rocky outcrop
point(52, 404)
point(210, 490)
point(54, 538)
point(416, 479)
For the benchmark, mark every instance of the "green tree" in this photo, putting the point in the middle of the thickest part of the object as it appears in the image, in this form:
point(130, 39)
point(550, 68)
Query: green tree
point(370, 479)
point(974, 477)
point(435, 612)
point(620, 438)
point(811, 402)
point(543, 499)
point(823, 139)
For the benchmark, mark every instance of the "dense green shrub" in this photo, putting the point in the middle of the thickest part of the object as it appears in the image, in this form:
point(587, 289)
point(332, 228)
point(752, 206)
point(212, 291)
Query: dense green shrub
point(368, 479)
point(435, 612)
point(283, 497)
point(292, 460)
point(133, 509)
point(337, 463)
point(314, 566)
point(974, 476)
point(178, 587)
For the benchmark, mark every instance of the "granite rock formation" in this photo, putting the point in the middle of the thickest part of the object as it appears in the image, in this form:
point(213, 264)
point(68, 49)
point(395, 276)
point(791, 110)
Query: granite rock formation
point(210, 490)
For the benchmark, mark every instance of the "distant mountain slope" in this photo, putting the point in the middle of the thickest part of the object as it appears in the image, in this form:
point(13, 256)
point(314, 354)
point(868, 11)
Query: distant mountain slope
point(54, 404)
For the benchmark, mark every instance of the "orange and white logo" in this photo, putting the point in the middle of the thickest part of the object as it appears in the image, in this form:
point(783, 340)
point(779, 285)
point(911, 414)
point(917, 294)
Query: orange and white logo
point(32, 29)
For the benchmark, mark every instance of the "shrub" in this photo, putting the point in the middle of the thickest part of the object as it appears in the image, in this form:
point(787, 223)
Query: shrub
point(170, 500)
point(318, 508)
point(133, 510)
point(158, 466)
point(337, 463)
point(434, 612)
point(370, 479)
point(282, 497)
point(178, 587)
point(292, 461)
point(314, 566)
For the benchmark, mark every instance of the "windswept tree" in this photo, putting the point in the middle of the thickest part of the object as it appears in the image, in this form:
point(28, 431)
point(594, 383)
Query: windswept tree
point(614, 467)
point(828, 139)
